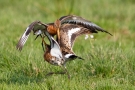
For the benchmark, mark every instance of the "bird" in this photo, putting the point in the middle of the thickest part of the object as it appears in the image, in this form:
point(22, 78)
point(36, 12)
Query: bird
point(54, 28)
point(53, 54)
point(70, 27)
point(67, 29)
point(68, 34)
point(38, 27)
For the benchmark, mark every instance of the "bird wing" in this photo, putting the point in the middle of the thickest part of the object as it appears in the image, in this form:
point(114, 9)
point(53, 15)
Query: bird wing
point(68, 34)
point(55, 48)
point(56, 51)
point(73, 19)
point(36, 26)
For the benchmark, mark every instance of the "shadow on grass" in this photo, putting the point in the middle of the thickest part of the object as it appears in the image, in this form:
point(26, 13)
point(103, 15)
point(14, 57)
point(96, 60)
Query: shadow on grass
point(12, 72)
point(21, 77)
point(28, 75)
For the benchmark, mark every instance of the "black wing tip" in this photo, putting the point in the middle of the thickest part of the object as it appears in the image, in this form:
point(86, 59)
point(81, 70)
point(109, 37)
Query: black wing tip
point(80, 58)
point(107, 32)
point(104, 32)
point(75, 56)
point(81, 23)
point(97, 28)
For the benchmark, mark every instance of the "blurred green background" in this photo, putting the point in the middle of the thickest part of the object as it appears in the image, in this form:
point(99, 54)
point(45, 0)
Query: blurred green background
point(109, 60)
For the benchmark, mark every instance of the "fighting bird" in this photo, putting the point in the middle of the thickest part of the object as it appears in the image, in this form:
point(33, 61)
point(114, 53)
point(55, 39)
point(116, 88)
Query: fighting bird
point(54, 28)
point(70, 27)
point(53, 54)
point(56, 55)
point(66, 29)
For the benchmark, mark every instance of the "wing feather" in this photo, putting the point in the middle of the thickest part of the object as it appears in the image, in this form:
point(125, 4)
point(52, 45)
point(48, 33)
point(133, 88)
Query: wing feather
point(55, 48)
point(68, 34)
point(72, 19)
point(37, 25)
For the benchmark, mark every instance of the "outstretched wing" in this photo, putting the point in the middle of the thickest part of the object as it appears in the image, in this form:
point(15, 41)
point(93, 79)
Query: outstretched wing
point(35, 26)
point(68, 34)
point(72, 19)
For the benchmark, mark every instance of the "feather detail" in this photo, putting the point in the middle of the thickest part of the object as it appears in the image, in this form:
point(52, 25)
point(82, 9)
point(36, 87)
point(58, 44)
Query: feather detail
point(72, 19)
point(35, 26)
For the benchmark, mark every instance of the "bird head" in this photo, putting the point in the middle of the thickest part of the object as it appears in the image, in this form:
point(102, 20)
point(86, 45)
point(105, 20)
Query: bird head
point(57, 61)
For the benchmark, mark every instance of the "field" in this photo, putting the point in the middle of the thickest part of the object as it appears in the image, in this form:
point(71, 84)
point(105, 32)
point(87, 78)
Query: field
point(109, 60)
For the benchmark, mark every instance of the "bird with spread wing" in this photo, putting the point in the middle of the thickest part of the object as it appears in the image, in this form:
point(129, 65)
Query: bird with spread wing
point(54, 28)
point(53, 54)
point(66, 29)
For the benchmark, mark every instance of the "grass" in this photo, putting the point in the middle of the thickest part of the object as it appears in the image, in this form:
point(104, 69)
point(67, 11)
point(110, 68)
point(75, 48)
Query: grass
point(109, 60)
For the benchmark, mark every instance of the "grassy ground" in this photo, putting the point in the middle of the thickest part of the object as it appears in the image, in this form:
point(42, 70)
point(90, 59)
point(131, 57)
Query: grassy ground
point(109, 61)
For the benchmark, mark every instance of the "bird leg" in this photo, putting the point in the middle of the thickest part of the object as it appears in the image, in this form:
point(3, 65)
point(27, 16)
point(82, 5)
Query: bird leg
point(65, 71)
point(43, 42)
point(36, 37)
point(43, 46)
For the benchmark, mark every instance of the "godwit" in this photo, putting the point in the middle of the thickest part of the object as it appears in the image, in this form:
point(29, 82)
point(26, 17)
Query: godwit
point(67, 29)
point(54, 28)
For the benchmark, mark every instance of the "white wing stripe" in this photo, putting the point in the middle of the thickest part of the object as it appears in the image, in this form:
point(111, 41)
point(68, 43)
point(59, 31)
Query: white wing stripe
point(23, 40)
point(70, 32)
point(24, 35)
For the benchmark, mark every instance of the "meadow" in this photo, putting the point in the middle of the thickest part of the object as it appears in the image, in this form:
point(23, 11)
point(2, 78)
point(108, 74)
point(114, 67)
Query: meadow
point(109, 60)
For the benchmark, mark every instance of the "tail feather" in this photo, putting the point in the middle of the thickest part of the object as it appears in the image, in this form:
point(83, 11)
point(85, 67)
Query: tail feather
point(72, 57)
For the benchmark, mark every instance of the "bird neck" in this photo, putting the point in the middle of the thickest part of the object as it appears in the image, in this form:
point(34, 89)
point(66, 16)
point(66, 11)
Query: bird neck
point(52, 30)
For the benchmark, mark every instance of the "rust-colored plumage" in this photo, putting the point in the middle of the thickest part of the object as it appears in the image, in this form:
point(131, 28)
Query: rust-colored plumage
point(54, 28)
point(67, 29)
point(53, 54)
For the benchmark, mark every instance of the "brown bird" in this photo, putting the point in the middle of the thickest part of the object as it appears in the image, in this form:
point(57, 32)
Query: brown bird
point(68, 34)
point(54, 28)
point(70, 27)
point(70, 30)
point(53, 54)
point(67, 29)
